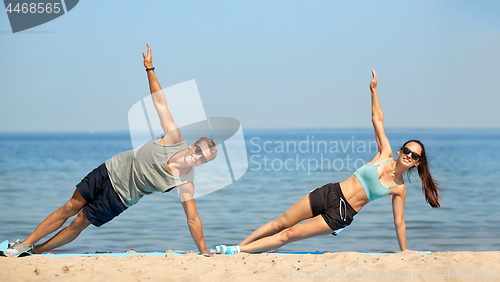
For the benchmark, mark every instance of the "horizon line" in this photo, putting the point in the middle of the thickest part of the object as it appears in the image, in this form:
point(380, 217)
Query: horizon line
point(264, 129)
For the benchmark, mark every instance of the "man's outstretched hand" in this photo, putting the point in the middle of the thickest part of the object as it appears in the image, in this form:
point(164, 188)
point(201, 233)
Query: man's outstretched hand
point(148, 61)
point(373, 83)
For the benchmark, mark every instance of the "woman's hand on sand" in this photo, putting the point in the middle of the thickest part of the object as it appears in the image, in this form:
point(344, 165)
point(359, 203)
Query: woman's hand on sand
point(148, 61)
point(373, 84)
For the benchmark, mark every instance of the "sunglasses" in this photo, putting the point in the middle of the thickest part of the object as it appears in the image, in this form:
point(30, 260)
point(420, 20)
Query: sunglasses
point(407, 151)
point(199, 151)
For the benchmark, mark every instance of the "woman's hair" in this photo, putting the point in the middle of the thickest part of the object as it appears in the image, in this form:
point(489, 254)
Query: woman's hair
point(211, 145)
point(429, 184)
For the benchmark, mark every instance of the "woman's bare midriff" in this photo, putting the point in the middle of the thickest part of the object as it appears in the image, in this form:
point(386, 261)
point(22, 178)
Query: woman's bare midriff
point(354, 193)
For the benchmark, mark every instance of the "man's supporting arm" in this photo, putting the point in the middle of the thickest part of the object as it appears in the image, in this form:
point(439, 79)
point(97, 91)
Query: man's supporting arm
point(186, 192)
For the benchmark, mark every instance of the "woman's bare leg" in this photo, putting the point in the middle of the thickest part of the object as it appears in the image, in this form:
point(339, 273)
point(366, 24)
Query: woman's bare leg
point(57, 218)
point(313, 227)
point(301, 210)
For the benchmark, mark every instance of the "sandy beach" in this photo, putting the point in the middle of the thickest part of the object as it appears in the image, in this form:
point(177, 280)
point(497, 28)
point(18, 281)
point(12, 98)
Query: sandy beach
point(347, 266)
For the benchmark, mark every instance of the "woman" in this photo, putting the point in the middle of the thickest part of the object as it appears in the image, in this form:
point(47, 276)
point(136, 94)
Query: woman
point(332, 207)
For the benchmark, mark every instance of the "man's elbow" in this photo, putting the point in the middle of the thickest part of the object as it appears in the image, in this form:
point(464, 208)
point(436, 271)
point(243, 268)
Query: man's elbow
point(159, 104)
point(192, 221)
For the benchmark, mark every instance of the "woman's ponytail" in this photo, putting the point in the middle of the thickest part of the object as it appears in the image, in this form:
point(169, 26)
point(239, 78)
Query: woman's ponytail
point(429, 184)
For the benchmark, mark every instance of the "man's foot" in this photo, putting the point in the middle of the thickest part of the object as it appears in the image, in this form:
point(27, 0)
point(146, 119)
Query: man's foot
point(228, 250)
point(17, 249)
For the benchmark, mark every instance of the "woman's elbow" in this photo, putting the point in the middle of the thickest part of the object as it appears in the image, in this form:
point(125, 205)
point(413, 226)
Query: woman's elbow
point(399, 222)
point(377, 117)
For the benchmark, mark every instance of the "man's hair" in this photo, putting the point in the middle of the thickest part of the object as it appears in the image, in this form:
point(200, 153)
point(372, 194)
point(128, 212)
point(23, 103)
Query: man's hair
point(211, 145)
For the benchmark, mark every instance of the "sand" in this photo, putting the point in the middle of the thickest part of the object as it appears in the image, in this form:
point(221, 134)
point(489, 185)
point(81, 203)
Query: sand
point(348, 266)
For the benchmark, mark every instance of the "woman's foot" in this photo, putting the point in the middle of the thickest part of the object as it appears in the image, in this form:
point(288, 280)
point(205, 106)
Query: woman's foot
point(228, 250)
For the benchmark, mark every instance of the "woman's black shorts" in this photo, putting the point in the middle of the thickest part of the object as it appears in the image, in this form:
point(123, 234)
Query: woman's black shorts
point(103, 202)
point(333, 207)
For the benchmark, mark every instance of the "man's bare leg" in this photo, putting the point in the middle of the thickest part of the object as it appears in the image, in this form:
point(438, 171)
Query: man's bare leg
point(57, 218)
point(66, 235)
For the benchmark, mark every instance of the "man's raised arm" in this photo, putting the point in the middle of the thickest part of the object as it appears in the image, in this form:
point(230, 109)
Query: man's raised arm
point(172, 133)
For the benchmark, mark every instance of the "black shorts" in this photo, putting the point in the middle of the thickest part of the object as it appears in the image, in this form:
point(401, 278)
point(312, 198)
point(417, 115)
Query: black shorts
point(103, 202)
point(333, 207)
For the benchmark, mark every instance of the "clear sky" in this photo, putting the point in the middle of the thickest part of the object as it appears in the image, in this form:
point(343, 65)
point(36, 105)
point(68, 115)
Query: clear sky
point(269, 64)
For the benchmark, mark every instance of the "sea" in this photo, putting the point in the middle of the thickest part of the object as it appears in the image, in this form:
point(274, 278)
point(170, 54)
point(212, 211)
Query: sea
point(39, 171)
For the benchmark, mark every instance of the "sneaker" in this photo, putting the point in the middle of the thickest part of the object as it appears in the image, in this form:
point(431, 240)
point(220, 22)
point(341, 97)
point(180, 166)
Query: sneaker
point(17, 249)
point(228, 250)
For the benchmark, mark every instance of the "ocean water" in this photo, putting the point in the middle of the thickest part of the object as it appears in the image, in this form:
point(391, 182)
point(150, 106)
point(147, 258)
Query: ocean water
point(39, 171)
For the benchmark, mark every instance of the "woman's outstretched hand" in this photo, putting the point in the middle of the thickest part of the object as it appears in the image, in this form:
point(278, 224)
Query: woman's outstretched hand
point(373, 84)
point(148, 61)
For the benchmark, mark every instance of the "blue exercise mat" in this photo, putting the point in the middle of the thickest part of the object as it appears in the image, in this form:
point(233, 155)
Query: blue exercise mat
point(4, 246)
point(182, 253)
point(111, 254)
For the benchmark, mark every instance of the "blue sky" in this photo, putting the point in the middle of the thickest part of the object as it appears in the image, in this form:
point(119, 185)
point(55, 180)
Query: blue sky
point(269, 64)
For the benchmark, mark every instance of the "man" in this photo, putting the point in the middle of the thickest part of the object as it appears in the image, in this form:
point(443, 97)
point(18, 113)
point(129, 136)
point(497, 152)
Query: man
point(158, 165)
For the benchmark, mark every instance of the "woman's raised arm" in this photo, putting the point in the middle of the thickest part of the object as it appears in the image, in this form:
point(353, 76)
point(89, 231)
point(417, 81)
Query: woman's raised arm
point(383, 145)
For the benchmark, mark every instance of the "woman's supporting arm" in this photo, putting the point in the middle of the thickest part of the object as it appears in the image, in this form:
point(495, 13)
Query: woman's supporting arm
point(398, 206)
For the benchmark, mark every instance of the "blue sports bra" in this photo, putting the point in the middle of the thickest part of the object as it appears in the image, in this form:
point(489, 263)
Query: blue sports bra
point(368, 177)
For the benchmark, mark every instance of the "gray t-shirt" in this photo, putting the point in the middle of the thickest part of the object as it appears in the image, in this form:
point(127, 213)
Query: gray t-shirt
point(142, 171)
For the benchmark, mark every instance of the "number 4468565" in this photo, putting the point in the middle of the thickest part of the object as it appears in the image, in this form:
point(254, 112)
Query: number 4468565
point(472, 273)
point(33, 8)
